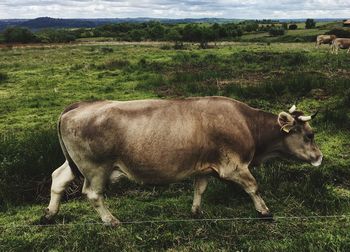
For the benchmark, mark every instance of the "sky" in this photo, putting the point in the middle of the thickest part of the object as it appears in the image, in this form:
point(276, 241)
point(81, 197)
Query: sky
point(241, 9)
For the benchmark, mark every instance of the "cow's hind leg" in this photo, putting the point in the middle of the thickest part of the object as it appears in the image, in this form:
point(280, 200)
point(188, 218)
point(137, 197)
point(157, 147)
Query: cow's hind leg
point(200, 184)
point(61, 179)
point(242, 176)
point(93, 188)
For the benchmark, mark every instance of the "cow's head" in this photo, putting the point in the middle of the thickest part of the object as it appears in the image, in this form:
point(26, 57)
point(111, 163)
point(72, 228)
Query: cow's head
point(298, 137)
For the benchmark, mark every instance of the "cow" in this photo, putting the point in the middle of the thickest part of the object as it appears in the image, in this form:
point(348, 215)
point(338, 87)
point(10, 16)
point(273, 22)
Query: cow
point(324, 39)
point(342, 43)
point(164, 141)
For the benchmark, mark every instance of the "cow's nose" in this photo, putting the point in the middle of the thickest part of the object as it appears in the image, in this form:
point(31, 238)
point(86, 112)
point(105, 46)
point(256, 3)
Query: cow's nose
point(317, 161)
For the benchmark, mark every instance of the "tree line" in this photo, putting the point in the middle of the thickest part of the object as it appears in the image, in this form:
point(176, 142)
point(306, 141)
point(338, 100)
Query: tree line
point(152, 31)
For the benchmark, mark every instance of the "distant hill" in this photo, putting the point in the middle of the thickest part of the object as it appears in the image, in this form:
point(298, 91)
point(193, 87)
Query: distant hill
point(47, 22)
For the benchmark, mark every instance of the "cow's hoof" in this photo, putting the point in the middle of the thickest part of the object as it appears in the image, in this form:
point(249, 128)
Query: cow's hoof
point(267, 216)
point(112, 223)
point(196, 212)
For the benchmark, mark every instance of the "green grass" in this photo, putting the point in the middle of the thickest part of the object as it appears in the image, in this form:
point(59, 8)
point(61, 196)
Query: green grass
point(299, 35)
point(37, 83)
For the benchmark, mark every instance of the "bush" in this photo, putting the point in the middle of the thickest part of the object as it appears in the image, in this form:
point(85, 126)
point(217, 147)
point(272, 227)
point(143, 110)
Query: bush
point(276, 31)
point(340, 33)
point(18, 35)
point(56, 36)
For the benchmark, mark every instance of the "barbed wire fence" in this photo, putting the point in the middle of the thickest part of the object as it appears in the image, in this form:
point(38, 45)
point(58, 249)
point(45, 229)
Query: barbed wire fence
point(164, 221)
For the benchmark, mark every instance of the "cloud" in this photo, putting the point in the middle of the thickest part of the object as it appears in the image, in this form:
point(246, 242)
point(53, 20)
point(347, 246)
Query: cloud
point(175, 9)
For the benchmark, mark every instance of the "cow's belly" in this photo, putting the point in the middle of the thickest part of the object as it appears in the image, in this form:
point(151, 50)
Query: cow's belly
point(154, 175)
point(346, 46)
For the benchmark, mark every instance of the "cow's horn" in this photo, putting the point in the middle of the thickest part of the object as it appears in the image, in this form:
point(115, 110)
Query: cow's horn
point(314, 115)
point(304, 118)
point(292, 109)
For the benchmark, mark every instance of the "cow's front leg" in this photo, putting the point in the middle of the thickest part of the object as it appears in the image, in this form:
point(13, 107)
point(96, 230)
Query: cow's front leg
point(242, 176)
point(200, 184)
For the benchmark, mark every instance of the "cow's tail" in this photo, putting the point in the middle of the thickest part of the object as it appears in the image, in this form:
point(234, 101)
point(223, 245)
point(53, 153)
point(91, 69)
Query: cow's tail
point(70, 161)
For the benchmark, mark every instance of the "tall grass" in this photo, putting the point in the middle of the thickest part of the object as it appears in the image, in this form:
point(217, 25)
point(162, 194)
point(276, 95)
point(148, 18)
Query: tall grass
point(27, 160)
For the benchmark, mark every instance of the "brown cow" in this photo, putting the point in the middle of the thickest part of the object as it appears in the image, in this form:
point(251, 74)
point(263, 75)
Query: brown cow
point(342, 43)
point(324, 39)
point(164, 141)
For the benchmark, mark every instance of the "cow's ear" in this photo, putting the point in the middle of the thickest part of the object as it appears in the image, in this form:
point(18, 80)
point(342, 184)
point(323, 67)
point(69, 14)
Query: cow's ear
point(286, 121)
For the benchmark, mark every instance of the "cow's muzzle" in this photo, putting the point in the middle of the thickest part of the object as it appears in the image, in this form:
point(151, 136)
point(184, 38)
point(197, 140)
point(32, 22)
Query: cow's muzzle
point(318, 161)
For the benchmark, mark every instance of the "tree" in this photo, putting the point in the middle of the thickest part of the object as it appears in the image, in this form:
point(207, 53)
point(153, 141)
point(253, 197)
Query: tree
point(285, 26)
point(56, 36)
point(251, 26)
point(199, 34)
point(18, 35)
point(136, 35)
point(174, 35)
point(310, 23)
point(155, 30)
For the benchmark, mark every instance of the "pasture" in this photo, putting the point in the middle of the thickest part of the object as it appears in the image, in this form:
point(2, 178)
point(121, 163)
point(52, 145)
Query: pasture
point(37, 83)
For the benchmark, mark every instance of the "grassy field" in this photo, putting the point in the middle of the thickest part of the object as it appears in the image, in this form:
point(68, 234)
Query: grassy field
point(299, 35)
point(37, 83)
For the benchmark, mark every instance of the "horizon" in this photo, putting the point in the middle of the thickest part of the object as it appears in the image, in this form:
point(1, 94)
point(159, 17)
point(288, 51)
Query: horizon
point(168, 9)
point(97, 18)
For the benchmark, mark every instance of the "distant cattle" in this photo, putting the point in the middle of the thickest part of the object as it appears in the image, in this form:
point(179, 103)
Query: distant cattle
point(342, 43)
point(324, 39)
point(164, 141)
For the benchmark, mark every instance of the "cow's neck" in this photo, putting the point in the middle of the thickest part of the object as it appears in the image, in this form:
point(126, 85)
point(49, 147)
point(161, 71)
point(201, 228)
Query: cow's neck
point(268, 137)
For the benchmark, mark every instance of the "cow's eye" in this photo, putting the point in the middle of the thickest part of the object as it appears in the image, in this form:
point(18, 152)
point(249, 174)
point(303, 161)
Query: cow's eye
point(310, 136)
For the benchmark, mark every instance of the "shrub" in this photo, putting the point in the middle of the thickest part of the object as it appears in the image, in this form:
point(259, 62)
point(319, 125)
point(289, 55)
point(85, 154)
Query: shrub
point(56, 36)
point(276, 31)
point(18, 35)
point(340, 32)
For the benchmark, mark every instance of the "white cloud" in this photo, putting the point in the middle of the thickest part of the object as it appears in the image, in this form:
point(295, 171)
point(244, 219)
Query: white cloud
point(175, 9)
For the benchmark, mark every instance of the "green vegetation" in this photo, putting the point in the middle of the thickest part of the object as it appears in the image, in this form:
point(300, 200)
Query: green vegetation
point(37, 83)
point(277, 31)
point(18, 34)
point(310, 23)
point(340, 33)
point(202, 33)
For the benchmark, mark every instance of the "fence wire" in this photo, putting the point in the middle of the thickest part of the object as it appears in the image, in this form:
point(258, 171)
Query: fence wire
point(138, 222)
